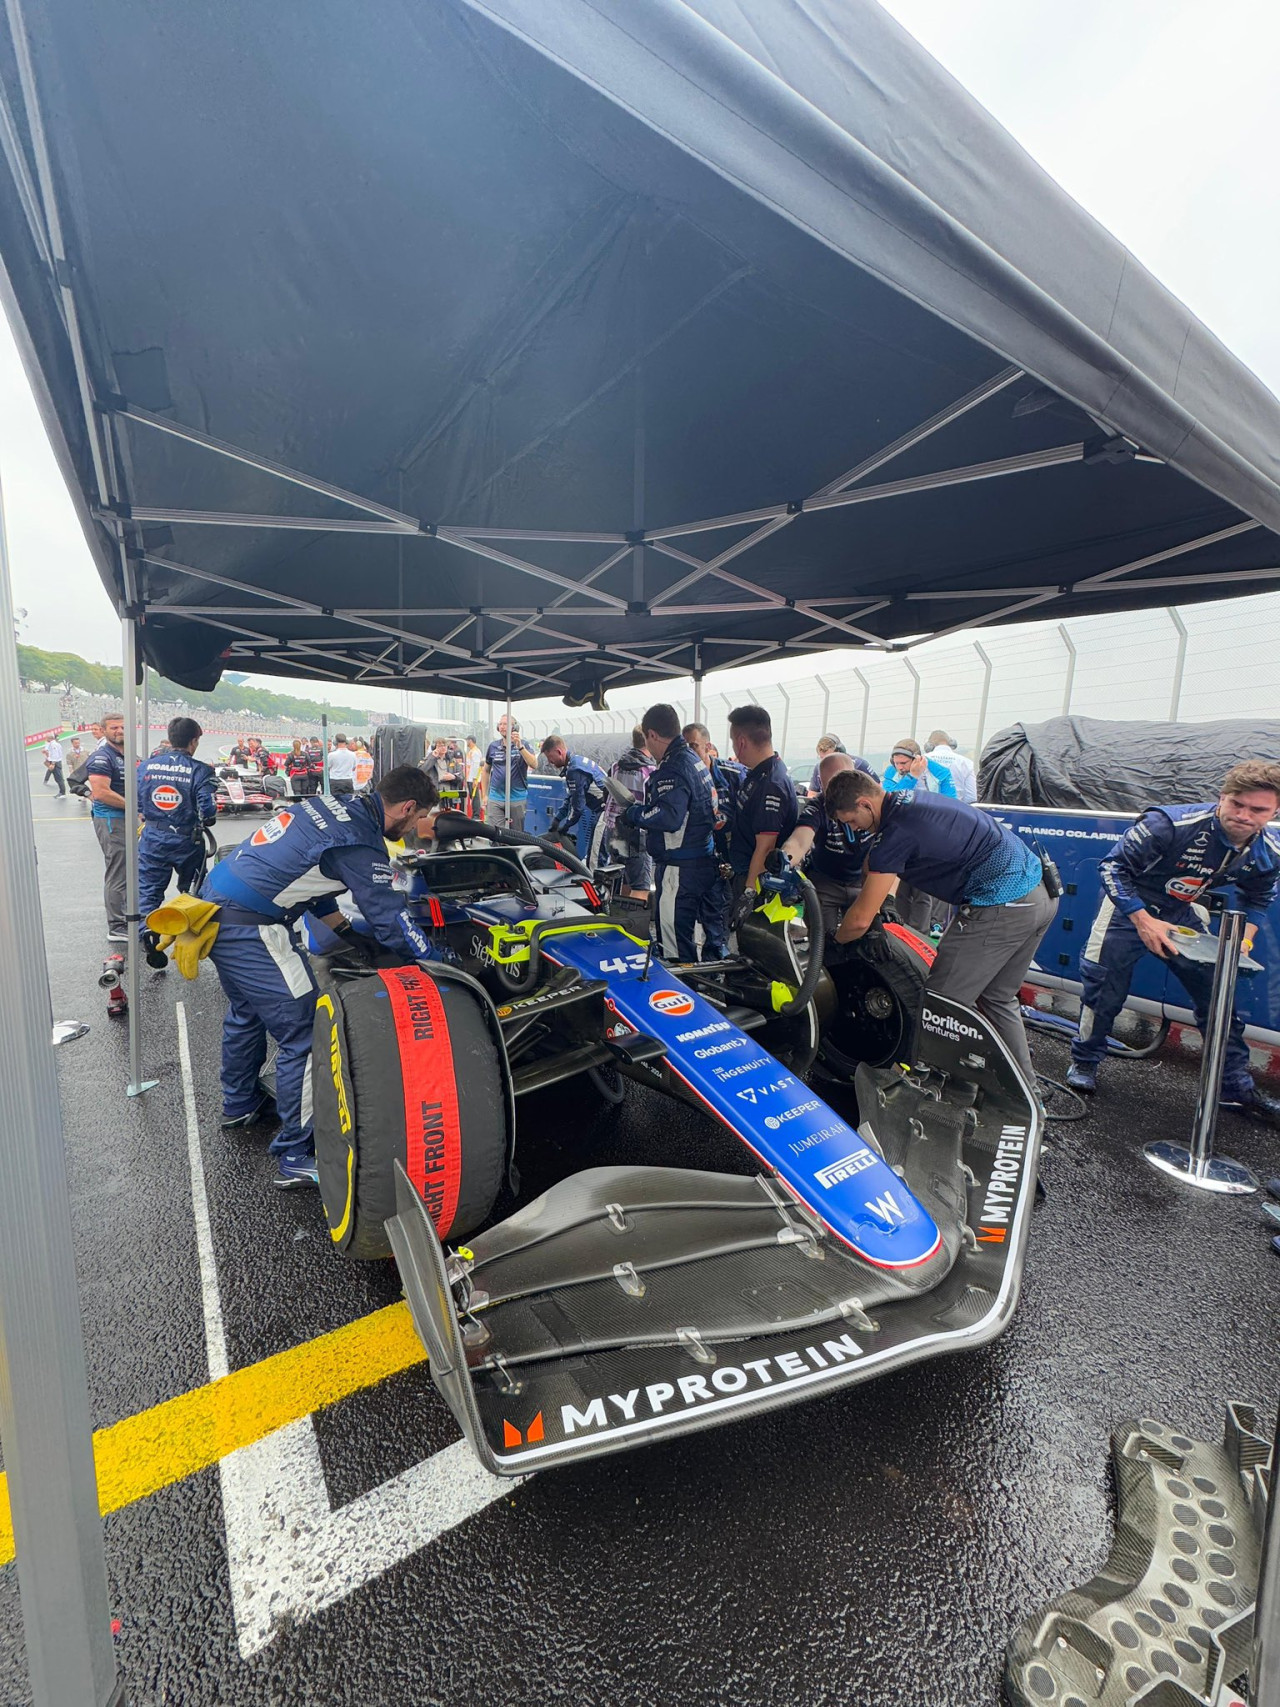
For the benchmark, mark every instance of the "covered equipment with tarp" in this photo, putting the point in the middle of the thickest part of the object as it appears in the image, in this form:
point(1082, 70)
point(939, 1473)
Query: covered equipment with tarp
point(511, 348)
point(1094, 764)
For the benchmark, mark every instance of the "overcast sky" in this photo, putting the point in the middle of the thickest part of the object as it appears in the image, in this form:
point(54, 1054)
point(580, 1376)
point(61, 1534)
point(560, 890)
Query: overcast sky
point(1159, 116)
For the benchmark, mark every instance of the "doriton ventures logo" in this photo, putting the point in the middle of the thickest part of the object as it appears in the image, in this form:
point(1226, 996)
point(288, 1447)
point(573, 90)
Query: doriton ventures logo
point(943, 1025)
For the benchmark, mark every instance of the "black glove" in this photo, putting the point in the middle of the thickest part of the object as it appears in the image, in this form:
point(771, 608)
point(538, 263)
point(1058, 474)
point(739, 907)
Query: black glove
point(889, 913)
point(743, 907)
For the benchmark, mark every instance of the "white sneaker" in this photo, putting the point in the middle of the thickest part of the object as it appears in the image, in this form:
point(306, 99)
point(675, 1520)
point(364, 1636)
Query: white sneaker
point(117, 936)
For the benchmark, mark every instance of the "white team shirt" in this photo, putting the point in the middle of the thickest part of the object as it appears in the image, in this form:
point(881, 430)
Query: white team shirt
point(342, 765)
point(53, 752)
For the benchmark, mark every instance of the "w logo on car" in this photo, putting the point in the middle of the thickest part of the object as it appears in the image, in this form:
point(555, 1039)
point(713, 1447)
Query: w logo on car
point(511, 1435)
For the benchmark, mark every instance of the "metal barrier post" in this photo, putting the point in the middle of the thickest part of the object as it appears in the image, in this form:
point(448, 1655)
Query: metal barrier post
point(1264, 1674)
point(1198, 1165)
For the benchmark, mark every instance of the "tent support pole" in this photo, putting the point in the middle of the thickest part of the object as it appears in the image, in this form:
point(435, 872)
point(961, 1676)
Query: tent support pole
point(824, 722)
point(510, 762)
point(132, 949)
point(44, 1401)
point(1175, 698)
point(1064, 634)
point(986, 691)
point(324, 752)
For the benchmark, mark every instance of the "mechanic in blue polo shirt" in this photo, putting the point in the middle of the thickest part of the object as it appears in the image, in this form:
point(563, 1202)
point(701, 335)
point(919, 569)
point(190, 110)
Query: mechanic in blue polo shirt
point(105, 774)
point(267, 982)
point(176, 804)
point(1173, 856)
point(832, 854)
point(585, 794)
point(678, 818)
point(964, 857)
point(765, 810)
point(496, 759)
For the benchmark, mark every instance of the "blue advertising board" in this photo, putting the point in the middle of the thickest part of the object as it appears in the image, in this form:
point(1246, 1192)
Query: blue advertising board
point(1077, 842)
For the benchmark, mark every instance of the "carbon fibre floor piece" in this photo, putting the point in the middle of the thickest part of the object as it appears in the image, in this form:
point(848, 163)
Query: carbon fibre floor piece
point(1168, 1621)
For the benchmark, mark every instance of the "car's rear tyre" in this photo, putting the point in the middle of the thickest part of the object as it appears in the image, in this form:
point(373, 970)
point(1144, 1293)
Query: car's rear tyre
point(405, 1068)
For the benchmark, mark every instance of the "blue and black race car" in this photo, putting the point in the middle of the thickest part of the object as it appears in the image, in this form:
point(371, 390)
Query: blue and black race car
point(627, 1303)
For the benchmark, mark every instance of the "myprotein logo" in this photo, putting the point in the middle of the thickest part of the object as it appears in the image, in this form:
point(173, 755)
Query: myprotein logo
point(674, 1002)
point(943, 1025)
point(774, 1121)
point(166, 798)
point(1002, 1187)
point(663, 1398)
point(857, 1162)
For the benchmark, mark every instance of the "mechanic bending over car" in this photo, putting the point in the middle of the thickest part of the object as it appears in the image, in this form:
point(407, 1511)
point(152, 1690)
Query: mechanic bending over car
point(176, 800)
point(831, 853)
point(678, 818)
point(964, 857)
point(267, 981)
point(585, 793)
point(1173, 856)
point(765, 811)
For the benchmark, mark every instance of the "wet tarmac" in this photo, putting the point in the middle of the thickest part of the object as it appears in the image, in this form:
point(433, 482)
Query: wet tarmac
point(876, 1547)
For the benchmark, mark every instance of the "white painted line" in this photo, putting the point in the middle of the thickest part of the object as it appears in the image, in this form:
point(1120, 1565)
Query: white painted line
point(289, 1553)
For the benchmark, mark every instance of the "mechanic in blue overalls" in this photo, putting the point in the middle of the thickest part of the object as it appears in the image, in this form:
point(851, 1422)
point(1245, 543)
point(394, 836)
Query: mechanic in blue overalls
point(765, 811)
point(585, 794)
point(831, 854)
point(1172, 856)
point(176, 801)
point(678, 818)
point(268, 983)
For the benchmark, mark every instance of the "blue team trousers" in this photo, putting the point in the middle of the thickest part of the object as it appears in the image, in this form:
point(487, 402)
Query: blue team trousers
point(269, 988)
point(1106, 971)
point(691, 892)
point(161, 853)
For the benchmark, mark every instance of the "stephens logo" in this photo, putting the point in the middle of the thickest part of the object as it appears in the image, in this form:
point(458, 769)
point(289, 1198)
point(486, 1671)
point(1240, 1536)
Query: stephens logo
point(272, 831)
point(166, 798)
point(942, 1025)
point(674, 1002)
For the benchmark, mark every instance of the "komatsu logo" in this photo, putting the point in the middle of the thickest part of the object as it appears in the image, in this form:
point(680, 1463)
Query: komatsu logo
point(702, 1031)
point(1002, 1187)
point(942, 1025)
point(663, 1398)
point(855, 1163)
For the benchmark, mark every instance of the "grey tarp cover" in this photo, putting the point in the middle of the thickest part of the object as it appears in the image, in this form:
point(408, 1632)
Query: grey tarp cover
point(505, 269)
point(1099, 765)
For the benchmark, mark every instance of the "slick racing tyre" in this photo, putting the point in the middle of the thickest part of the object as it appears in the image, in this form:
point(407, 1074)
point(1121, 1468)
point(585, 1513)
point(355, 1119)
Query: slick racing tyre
point(405, 1069)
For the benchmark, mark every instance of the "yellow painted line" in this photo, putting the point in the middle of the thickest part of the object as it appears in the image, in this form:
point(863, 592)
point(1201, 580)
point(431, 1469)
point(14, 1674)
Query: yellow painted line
point(142, 1454)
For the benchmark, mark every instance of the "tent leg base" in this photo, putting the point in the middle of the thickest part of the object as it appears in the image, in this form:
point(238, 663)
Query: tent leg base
point(138, 1089)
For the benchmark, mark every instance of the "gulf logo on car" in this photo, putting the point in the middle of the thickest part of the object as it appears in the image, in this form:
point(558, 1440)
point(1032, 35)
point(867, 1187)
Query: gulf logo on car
point(166, 798)
point(673, 1002)
point(272, 830)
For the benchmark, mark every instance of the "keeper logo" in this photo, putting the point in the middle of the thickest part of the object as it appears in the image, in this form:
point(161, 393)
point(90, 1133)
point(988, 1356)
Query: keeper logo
point(774, 1121)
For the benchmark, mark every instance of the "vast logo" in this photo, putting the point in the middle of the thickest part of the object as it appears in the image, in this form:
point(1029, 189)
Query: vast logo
point(854, 1163)
point(753, 1093)
point(166, 798)
point(677, 1003)
point(272, 830)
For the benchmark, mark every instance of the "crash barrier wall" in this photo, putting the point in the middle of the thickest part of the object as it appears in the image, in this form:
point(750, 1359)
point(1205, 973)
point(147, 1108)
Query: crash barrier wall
point(44, 710)
point(1195, 663)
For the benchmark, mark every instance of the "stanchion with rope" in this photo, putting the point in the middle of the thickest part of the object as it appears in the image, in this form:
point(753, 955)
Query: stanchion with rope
point(1197, 1165)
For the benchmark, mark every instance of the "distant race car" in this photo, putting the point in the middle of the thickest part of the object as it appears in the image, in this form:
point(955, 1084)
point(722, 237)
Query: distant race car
point(243, 788)
point(631, 1303)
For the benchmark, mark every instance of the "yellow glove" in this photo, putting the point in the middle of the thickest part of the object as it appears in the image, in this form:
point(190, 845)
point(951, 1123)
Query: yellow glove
point(188, 928)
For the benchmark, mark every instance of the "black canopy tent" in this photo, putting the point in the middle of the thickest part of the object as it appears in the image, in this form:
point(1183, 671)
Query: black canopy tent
point(519, 347)
point(516, 348)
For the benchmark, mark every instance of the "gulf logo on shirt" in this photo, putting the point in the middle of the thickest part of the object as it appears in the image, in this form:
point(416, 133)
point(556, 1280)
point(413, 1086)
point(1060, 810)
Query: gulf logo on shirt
point(166, 798)
point(271, 831)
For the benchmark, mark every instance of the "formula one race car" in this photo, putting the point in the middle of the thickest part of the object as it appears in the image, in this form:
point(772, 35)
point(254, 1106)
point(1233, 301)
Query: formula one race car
point(630, 1303)
point(244, 788)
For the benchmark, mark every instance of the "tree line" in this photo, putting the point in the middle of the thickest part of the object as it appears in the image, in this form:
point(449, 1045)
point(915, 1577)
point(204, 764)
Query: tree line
point(65, 671)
